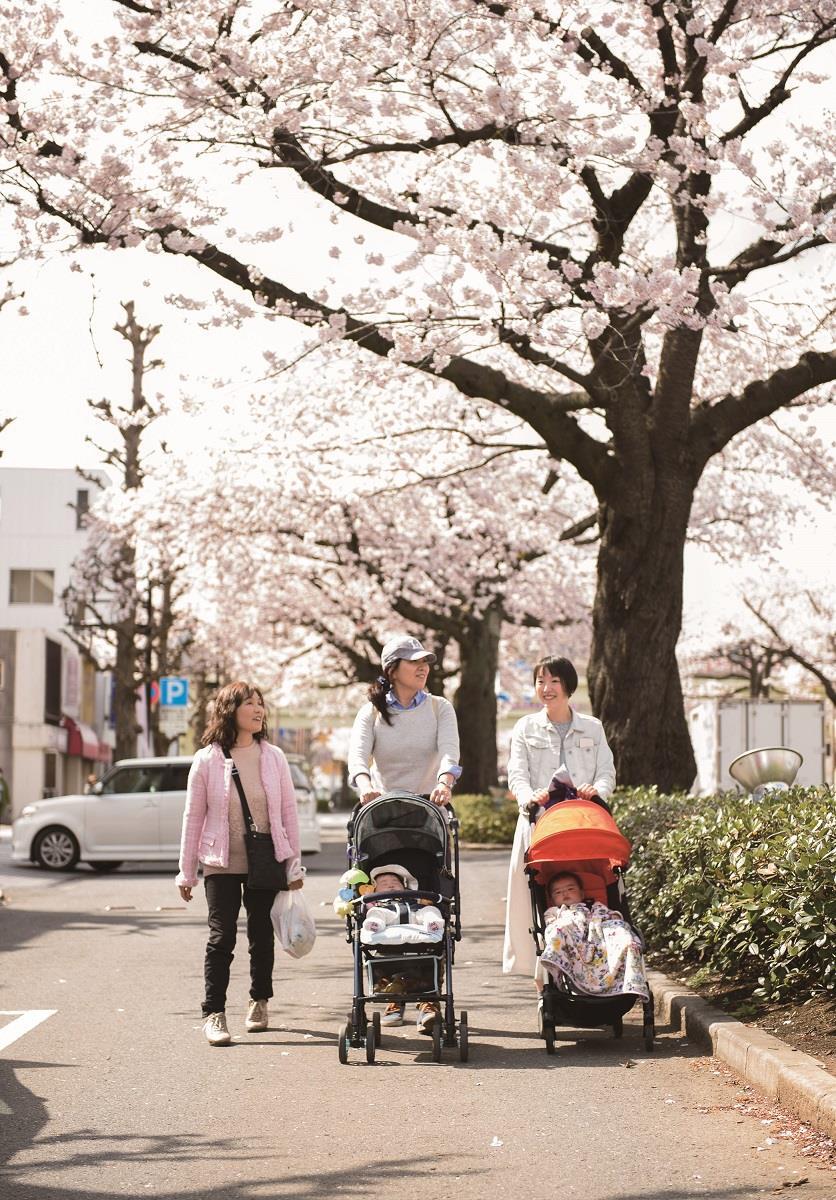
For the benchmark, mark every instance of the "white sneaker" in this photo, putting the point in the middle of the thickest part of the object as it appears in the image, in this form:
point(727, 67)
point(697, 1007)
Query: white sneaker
point(256, 1021)
point(215, 1030)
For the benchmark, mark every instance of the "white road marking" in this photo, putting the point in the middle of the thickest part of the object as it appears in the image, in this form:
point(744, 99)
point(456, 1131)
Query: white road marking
point(26, 1019)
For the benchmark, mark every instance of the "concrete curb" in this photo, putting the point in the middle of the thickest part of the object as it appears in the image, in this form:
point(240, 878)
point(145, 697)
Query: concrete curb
point(797, 1081)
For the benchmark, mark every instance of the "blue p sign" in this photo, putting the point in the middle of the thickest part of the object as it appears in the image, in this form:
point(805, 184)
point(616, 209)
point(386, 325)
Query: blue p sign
point(174, 691)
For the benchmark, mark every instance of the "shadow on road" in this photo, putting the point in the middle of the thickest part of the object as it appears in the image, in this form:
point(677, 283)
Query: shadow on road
point(21, 926)
point(84, 1149)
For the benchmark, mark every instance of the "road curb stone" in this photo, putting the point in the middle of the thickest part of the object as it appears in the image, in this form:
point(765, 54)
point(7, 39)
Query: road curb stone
point(794, 1079)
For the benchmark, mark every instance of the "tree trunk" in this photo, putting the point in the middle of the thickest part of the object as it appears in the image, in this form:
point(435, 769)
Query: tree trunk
point(633, 675)
point(475, 702)
point(124, 692)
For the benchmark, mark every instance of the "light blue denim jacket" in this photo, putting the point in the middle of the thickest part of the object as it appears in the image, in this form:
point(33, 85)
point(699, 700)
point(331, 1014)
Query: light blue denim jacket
point(535, 756)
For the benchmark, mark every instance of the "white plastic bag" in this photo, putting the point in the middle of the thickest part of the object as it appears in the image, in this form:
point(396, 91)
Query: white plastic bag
point(293, 923)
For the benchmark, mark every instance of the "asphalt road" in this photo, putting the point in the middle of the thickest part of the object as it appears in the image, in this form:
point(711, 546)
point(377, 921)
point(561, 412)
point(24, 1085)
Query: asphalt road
point(116, 1094)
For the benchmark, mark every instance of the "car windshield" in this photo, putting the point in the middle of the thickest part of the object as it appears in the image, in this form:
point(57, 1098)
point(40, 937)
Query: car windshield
point(134, 779)
point(146, 777)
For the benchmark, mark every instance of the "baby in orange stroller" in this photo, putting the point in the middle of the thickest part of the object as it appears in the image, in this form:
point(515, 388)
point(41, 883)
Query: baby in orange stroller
point(588, 948)
point(589, 943)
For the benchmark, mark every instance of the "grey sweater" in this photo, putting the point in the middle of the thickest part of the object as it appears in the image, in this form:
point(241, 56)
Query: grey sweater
point(420, 744)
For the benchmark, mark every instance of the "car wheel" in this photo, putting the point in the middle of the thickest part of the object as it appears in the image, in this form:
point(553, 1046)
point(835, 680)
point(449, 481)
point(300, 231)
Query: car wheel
point(105, 866)
point(55, 849)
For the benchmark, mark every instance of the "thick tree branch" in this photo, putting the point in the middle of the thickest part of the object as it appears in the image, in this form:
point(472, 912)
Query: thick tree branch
point(713, 426)
point(770, 252)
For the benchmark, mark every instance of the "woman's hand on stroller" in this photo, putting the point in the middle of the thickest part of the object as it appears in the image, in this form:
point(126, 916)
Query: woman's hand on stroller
point(440, 794)
point(537, 800)
point(586, 791)
point(367, 797)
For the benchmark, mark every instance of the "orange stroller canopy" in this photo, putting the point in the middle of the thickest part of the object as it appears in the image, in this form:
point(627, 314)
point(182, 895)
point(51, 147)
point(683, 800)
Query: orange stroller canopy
point(577, 835)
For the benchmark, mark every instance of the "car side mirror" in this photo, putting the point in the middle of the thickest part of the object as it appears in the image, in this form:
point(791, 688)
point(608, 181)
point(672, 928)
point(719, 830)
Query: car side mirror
point(96, 789)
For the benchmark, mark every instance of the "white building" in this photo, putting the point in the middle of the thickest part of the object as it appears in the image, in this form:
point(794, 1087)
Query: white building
point(53, 704)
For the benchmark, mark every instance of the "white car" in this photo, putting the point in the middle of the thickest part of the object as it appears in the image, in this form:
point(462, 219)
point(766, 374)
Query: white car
point(134, 814)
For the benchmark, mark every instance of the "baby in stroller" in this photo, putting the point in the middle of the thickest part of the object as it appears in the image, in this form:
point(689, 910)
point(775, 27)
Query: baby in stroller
point(415, 922)
point(392, 877)
point(589, 954)
point(400, 900)
point(590, 944)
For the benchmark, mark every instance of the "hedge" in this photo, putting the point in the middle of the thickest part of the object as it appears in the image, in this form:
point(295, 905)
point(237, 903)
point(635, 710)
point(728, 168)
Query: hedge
point(744, 889)
point(486, 819)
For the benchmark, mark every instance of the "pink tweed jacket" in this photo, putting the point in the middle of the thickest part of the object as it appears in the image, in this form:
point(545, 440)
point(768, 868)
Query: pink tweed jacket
point(205, 836)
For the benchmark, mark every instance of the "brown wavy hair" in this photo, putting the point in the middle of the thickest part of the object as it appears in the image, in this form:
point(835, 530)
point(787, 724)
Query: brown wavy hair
point(221, 726)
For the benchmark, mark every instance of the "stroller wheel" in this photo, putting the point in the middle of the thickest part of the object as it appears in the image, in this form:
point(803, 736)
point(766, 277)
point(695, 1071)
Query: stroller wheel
point(548, 1035)
point(437, 1042)
point(378, 1036)
point(463, 1048)
point(370, 1042)
point(618, 1027)
point(343, 1042)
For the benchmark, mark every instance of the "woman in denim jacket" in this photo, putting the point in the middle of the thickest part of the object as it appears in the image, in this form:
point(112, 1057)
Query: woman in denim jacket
point(553, 737)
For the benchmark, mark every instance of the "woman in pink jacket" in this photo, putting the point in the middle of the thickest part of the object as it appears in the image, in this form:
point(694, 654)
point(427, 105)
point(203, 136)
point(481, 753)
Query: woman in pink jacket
point(213, 834)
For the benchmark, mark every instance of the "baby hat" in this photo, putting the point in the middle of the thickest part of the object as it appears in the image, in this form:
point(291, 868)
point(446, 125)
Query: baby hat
point(410, 883)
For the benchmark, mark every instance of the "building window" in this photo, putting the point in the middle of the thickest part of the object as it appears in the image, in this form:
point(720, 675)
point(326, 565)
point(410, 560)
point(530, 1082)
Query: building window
point(52, 684)
point(32, 587)
point(82, 507)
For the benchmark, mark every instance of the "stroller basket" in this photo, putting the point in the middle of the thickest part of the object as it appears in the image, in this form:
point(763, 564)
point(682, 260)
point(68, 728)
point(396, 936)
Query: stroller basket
point(397, 977)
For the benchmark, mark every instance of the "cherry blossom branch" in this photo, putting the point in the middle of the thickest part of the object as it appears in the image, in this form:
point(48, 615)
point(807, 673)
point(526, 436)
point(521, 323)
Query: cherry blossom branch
point(573, 532)
point(713, 426)
point(789, 651)
point(769, 252)
point(572, 402)
point(779, 92)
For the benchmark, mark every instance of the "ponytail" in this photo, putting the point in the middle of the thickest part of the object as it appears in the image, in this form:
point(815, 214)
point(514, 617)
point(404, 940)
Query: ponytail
point(378, 691)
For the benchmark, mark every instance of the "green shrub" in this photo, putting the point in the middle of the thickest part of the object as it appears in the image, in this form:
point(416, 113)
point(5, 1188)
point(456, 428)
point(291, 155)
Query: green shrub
point(744, 889)
point(486, 819)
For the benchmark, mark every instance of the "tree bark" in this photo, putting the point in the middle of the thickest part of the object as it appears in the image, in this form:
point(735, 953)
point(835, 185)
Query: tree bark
point(124, 692)
point(633, 674)
point(475, 701)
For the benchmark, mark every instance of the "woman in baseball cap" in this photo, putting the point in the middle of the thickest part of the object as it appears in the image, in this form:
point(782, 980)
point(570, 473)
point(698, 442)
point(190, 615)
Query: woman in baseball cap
point(403, 738)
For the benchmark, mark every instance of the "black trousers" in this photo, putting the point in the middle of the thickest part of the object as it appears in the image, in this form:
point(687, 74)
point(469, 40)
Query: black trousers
point(223, 896)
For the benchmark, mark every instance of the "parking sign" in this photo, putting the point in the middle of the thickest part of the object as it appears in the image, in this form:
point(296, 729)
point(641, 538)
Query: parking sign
point(174, 691)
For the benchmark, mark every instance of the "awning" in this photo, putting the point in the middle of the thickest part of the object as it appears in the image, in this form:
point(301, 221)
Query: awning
point(83, 742)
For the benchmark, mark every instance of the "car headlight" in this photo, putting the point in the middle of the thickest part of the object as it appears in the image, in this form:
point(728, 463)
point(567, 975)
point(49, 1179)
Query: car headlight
point(28, 810)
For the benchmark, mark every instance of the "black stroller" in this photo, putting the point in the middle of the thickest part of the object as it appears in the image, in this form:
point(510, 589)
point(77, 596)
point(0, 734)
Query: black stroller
point(423, 838)
point(581, 836)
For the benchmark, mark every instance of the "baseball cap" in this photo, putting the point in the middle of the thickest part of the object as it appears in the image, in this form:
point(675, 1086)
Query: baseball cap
point(404, 647)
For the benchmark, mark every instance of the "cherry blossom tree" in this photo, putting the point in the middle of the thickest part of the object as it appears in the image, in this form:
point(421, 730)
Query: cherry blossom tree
point(783, 639)
point(801, 629)
point(607, 220)
point(323, 546)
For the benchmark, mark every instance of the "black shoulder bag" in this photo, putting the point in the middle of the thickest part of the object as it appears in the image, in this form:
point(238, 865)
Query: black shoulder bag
point(264, 872)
